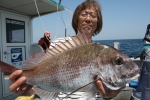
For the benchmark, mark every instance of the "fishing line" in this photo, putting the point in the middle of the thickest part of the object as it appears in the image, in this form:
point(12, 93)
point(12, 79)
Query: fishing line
point(39, 15)
point(71, 13)
point(68, 23)
point(65, 24)
point(41, 19)
point(57, 23)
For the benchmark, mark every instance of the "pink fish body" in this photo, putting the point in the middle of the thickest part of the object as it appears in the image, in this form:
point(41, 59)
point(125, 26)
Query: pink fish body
point(74, 64)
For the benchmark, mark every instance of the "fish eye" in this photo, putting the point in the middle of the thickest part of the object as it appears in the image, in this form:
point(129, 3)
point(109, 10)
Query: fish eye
point(118, 60)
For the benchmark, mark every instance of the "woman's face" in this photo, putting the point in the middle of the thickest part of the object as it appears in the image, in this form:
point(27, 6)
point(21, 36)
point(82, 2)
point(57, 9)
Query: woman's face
point(87, 21)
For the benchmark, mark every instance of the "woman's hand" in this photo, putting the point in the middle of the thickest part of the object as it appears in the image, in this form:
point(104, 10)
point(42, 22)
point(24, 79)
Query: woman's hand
point(18, 84)
point(105, 92)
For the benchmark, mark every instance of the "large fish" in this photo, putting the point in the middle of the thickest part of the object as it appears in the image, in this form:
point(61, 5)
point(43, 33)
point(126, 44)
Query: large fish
point(73, 65)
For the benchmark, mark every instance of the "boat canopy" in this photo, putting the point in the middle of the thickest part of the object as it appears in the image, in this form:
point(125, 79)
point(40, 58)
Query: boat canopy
point(28, 7)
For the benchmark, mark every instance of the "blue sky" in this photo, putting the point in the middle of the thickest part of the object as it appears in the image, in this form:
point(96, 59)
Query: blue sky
point(122, 19)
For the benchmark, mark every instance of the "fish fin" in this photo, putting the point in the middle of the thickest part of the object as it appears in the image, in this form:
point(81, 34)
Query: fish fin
point(80, 39)
point(84, 95)
point(45, 95)
point(84, 37)
point(85, 90)
point(62, 45)
point(7, 69)
point(34, 60)
point(76, 40)
point(89, 95)
point(73, 43)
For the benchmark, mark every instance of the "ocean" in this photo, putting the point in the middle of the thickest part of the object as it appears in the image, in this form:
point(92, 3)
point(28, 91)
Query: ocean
point(131, 47)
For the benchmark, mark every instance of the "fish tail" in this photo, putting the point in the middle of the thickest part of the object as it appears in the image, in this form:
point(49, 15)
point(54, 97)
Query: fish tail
point(7, 69)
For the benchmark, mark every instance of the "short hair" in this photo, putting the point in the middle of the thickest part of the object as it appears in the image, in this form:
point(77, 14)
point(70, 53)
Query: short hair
point(88, 4)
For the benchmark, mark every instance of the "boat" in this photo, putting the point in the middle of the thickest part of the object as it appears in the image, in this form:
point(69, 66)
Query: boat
point(16, 35)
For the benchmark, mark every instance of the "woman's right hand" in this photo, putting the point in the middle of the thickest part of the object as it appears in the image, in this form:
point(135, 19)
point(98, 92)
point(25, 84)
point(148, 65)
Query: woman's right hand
point(105, 92)
point(18, 85)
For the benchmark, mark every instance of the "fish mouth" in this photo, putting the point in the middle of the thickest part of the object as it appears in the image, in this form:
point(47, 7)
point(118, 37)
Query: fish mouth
point(120, 83)
point(134, 73)
point(123, 80)
point(126, 80)
point(131, 74)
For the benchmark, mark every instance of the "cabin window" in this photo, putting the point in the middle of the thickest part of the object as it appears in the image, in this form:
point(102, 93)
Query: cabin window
point(15, 31)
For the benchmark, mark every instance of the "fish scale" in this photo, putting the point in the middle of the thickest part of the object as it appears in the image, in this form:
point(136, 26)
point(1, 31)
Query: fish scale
point(73, 65)
point(70, 71)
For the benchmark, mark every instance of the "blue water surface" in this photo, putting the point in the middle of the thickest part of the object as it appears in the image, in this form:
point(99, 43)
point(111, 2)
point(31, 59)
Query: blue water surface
point(131, 47)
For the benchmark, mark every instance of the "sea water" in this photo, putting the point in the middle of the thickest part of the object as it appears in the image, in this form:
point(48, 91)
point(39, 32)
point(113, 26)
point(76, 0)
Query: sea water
point(131, 47)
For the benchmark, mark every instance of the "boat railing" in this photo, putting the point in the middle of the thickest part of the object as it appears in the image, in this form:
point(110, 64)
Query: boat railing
point(35, 48)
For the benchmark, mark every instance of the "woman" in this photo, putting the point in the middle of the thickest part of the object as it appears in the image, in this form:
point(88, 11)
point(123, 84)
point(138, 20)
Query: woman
point(87, 19)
